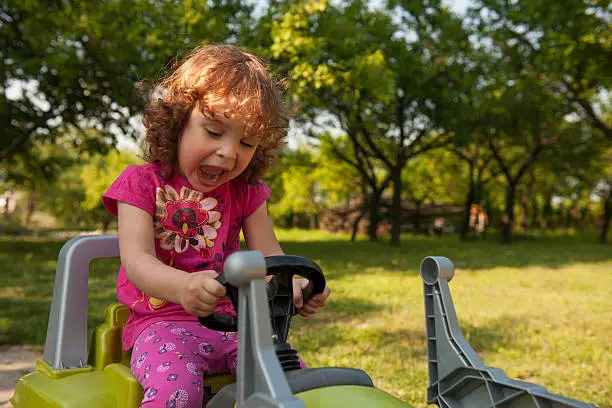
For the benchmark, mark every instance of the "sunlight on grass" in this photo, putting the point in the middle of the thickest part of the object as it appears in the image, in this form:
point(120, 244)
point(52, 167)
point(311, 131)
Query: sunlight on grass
point(538, 309)
point(308, 236)
point(546, 324)
point(12, 292)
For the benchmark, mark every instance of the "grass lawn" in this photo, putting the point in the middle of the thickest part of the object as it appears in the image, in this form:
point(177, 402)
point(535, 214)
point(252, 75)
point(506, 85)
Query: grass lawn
point(538, 309)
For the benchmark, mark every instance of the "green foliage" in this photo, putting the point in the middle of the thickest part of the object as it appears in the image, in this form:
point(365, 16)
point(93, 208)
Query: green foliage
point(312, 182)
point(329, 51)
point(383, 88)
point(566, 47)
point(579, 161)
point(434, 177)
point(338, 179)
point(299, 183)
point(394, 81)
point(74, 64)
point(33, 173)
point(39, 166)
point(75, 197)
point(99, 173)
point(64, 200)
point(13, 226)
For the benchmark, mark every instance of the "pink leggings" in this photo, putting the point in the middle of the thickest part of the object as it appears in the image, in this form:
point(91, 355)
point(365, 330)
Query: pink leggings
point(169, 360)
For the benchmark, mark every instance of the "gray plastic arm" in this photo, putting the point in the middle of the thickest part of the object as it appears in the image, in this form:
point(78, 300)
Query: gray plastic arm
point(260, 379)
point(457, 376)
point(66, 342)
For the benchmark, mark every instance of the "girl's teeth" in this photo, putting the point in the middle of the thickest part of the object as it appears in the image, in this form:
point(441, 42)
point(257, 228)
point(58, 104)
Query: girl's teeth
point(209, 176)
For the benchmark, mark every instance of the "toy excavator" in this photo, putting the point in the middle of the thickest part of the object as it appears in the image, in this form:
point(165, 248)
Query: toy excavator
point(70, 376)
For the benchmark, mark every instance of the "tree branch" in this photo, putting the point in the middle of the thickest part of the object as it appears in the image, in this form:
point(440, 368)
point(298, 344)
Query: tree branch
point(499, 160)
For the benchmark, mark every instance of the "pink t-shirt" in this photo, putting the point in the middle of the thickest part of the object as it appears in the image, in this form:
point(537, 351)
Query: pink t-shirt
point(194, 231)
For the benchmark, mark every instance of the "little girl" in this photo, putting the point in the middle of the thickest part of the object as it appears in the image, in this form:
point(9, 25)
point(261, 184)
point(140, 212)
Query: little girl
point(210, 139)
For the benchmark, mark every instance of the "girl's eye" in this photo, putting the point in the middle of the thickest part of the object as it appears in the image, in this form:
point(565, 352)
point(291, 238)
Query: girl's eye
point(213, 133)
point(247, 144)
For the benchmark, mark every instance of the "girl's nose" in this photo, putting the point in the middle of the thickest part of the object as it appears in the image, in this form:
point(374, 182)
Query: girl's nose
point(228, 149)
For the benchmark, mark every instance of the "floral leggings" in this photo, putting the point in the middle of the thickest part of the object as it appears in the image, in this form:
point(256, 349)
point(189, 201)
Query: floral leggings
point(170, 360)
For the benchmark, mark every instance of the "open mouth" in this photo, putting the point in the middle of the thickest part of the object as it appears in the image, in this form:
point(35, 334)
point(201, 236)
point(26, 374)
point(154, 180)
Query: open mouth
point(210, 174)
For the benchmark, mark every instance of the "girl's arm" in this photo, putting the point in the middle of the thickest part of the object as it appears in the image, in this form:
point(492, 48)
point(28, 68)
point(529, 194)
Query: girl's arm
point(198, 292)
point(259, 236)
point(258, 233)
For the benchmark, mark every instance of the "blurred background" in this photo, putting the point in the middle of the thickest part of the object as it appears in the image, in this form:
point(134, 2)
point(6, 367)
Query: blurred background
point(434, 117)
point(480, 130)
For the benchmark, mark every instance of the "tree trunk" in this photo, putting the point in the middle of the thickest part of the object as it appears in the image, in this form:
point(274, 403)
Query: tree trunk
point(534, 211)
point(465, 224)
point(7, 204)
point(363, 209)
point(508, 219)
point(31, 207)
point(105, 224)
point(373, 213)
point(525, 210)
point(526, 201)
point(356, 226)
point(312, 222)
point(289, 219)
point(548, 213)
point(568, 217)
point(396, 207)
point(607, 214)
point(295, 220)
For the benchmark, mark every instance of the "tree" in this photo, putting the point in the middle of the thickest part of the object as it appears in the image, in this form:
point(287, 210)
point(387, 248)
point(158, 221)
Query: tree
point(64, 200)
point(328, 55)
point(75, 64)
point(96, 175)
point(481, 170)
point(33, 171)
point(604, 190)
point(386, 93)
point(431, 178)
point(568, 44)
point(300, 188)
point(311, 183)
point(515, 155)
point(580, 168)
point(65, 183)
point(523, 114)
point(429, 86)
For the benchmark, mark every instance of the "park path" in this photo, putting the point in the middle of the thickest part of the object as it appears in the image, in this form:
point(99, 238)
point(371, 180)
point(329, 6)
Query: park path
point(15, 361)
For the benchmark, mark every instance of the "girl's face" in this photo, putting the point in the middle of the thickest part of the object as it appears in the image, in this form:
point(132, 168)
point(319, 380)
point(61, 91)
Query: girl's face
point(213, 151)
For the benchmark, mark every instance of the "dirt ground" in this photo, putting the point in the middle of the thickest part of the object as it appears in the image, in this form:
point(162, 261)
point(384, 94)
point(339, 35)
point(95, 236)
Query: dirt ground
point(15, 361)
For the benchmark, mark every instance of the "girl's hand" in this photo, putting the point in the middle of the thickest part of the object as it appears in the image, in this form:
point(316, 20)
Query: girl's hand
point(202, 293)
point(314, 304)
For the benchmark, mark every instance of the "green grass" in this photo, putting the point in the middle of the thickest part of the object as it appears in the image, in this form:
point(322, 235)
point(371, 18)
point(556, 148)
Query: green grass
point(539, 309)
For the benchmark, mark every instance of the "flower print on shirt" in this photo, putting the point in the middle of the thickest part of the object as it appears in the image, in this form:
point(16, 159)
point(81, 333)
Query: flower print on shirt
point(185, 219)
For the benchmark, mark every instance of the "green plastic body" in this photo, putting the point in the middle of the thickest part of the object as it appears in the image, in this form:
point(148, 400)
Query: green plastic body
point(115, 387)
point(350, 396)
point(105, 383)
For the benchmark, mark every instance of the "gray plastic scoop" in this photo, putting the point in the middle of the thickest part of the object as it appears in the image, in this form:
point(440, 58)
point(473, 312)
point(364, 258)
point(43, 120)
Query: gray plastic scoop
point(457, 376)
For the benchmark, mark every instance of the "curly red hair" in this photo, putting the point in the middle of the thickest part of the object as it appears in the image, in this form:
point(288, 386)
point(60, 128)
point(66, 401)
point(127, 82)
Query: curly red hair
point(212, 73)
